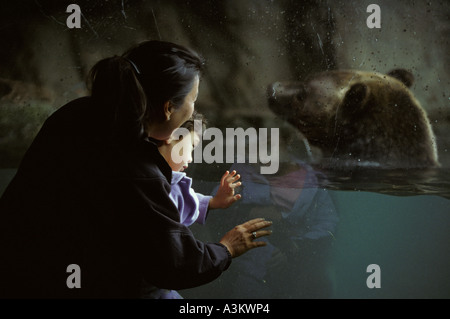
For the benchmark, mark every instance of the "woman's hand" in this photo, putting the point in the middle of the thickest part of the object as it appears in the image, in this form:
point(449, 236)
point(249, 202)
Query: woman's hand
point(225, 195)
point(241, 238)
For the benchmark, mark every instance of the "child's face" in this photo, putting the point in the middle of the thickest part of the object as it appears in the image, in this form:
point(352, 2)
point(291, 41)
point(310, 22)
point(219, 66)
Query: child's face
point(178, 153)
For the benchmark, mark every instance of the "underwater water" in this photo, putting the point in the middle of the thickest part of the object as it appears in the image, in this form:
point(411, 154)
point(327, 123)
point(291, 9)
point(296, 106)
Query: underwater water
point(406, 236)
point(402, 229)
point(399, 225)
point(399, 220)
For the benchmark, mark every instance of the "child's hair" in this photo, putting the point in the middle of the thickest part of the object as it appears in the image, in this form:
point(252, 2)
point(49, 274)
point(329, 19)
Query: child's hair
point(196, 116)
point(190, 126)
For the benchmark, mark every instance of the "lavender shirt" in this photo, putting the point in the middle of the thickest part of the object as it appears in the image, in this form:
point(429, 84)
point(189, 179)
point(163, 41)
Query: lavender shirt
point(191, 205)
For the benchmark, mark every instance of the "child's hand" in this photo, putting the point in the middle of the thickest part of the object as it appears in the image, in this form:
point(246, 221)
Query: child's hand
point(225, 195)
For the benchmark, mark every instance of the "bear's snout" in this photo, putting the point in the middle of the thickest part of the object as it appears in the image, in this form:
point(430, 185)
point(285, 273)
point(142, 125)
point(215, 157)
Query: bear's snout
point(280, 96)
point(272, 90)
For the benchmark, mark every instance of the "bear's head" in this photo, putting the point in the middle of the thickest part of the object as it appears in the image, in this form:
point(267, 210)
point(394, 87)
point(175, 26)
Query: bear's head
point(359, 118)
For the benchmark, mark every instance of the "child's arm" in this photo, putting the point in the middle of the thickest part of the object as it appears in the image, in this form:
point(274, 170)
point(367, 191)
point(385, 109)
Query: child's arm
point(225, 196)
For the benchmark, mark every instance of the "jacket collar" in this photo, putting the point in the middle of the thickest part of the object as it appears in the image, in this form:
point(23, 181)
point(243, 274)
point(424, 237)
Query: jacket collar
point(177, 177)
point(160, 161)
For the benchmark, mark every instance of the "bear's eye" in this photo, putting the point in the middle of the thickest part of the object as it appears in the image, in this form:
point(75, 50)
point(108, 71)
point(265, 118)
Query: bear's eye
point(300, 96)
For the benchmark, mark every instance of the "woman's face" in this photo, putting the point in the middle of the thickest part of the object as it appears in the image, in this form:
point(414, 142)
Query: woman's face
point(175, 116)
point(184, 112)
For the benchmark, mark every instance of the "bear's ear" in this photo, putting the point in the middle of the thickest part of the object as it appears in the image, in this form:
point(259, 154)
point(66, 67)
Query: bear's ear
point(354, 99)
point(403, 75)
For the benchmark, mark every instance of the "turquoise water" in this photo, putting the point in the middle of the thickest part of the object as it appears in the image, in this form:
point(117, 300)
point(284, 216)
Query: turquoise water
point(398, 221)
point(406, 236)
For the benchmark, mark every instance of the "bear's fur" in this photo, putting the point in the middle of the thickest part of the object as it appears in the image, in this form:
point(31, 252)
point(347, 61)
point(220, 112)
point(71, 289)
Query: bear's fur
point(359, 118)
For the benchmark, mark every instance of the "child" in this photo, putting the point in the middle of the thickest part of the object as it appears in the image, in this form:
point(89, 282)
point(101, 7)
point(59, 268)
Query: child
point(193, 207)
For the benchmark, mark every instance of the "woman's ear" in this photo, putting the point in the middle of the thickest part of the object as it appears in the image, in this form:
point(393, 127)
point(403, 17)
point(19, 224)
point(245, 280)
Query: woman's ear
point(168, 108)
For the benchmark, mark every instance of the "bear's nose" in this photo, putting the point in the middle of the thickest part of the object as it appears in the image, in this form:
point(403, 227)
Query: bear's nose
point(272, 90)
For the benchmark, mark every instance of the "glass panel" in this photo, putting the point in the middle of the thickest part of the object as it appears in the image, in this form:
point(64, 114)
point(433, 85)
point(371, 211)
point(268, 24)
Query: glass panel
point(335, 113)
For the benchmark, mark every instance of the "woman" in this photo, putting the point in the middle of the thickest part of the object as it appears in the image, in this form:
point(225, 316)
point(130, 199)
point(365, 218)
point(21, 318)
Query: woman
point(93, 191)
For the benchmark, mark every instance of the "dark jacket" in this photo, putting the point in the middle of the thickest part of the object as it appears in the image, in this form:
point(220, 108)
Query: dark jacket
point(79, 197)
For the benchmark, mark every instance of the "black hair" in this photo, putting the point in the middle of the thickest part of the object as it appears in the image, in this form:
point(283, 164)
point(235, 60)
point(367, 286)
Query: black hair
point(131, 89)
point(196, 116)
point(190, 125)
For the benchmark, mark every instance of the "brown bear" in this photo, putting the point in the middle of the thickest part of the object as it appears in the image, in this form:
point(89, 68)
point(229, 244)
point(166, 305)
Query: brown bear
point(359, 118)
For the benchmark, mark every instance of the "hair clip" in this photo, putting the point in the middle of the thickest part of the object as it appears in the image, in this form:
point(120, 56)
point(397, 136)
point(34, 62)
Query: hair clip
point(133, 65)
